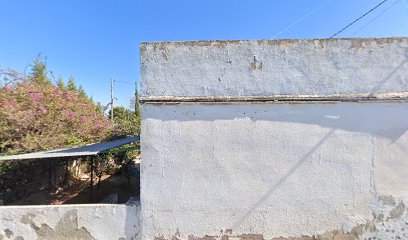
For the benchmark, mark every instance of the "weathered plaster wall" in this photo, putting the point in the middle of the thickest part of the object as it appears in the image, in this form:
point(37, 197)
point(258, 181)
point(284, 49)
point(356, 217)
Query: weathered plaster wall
point(271, 169)
point(86, 222)
point(315, 170)
point(274, 67)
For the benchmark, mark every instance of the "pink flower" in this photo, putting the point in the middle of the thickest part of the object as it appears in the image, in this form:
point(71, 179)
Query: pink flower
point(42, 109)
point(71, 114)
point(36, 97)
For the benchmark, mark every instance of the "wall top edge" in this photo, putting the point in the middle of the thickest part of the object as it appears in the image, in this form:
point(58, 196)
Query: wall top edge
point(220, 43)
point(367, 97)
point(90, 205)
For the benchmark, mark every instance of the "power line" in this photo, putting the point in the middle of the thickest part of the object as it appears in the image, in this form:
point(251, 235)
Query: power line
point(124, 82)
point(375, 18)
point(302, 18)
point(365, 14)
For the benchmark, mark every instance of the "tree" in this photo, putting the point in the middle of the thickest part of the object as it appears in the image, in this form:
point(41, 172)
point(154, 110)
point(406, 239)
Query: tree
point(135, 104)
point(71, 84)
point(126, 121)
point(35, 116)
point(60, 84)
point(39, 71)
point(82, 92)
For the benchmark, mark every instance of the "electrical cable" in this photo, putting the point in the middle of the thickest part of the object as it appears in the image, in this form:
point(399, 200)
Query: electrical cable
point(375, 18)
point(365, 14)
point(302, 18)
point(124, 82)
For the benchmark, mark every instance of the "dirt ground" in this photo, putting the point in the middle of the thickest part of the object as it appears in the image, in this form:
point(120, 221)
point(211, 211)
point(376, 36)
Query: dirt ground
point(78, 191)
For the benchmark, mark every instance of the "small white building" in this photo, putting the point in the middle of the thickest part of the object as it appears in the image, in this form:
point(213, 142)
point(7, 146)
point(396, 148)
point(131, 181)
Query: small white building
point(281, 138)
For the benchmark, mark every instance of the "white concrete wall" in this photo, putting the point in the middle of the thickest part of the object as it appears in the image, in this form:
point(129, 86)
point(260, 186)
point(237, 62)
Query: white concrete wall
point(264, 170)
point(274, 67)
point(88, 221)
point(276, 170)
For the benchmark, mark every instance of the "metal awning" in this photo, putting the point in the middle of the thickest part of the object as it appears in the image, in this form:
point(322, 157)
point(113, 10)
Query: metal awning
point(88, 150)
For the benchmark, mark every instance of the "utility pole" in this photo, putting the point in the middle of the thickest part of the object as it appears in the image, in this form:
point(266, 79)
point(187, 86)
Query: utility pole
point(111, 89)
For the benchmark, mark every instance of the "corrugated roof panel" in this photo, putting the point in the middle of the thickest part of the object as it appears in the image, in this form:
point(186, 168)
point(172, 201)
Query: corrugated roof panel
point(88, 150)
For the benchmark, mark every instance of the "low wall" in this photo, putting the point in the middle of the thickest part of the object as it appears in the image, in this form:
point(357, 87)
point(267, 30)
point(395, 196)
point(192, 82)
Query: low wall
point(86, 222)
point(275, 139)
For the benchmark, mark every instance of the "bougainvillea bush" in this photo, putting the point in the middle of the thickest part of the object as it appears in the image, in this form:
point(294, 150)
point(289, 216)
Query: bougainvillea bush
point(38, 115)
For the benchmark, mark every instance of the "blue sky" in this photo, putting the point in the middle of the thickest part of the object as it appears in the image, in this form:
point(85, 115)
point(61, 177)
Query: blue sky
point(94, 39)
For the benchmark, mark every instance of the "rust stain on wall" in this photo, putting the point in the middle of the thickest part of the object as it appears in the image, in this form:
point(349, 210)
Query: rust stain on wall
point(143, 47)
point(256, 64)
point(354, 234)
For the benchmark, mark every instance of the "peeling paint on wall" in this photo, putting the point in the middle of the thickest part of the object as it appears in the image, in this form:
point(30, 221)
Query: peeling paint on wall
point(67, 228)
point(86, 222)
point(384, 225)
point(390, 219)
point(8, 233)
point(256, 64)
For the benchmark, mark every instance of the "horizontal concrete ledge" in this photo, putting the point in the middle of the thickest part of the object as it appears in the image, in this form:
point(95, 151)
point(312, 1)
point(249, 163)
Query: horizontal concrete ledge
point(87, 205)
point(367, 97)
point(223, 43)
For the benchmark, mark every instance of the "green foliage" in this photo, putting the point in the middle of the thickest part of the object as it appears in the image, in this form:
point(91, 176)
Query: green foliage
point(71, 85)
point(126, 121)
point(120, 156)
point(81, 91)
point(135, 104)
point(5, 168)
point(36, 116)
point(60, 84)
point(74, 141)
point(39, 71)
point(99, 107)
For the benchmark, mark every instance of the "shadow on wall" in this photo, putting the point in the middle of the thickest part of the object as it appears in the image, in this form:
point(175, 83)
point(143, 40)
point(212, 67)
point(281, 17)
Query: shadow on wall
point(281, 181)
point(377, 89)
point(367, 118)
point(347, 116)
point(383, 120)
point(132, 220)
